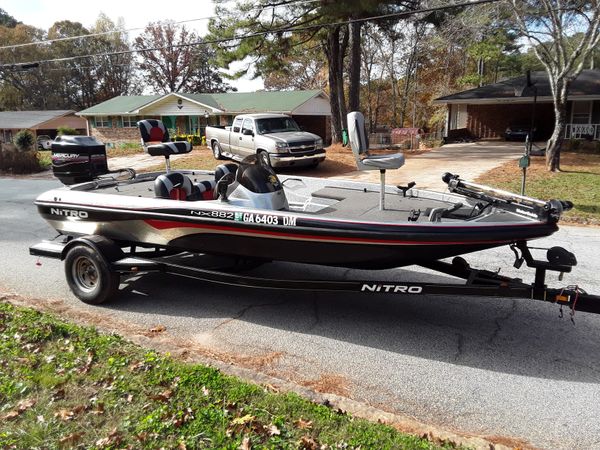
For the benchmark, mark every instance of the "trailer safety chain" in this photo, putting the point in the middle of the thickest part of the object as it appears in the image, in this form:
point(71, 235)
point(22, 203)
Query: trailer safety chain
point(577, 290)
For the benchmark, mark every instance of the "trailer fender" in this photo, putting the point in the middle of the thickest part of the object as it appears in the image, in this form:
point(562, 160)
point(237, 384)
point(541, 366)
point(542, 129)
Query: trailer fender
point(105, 247)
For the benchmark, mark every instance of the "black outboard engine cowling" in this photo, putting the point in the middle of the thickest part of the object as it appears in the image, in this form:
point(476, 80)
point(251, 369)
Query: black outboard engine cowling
point(76, 159)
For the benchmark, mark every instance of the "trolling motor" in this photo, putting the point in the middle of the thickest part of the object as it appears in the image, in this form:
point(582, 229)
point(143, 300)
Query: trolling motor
point(551, 209)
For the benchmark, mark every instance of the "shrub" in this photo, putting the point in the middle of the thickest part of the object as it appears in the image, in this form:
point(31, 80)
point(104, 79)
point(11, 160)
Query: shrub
point(575, 144)
point(68, 131)
point(194, 139)
point(20, 162)
point(24, 140)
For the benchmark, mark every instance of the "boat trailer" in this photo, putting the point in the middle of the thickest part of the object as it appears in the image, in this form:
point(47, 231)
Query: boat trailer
point(88, 271)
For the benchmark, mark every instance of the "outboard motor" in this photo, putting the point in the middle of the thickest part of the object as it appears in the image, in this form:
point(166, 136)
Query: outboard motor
point(76, 159)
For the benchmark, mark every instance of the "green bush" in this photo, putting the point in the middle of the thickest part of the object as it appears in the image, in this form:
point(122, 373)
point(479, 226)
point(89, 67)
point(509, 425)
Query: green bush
point(68, 131)
point(24, 140)
point(194, 139)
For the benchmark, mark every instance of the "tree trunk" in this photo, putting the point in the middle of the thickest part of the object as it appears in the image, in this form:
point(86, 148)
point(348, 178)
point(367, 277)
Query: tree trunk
point(354, 67)
point(343, 47)
point(332, 49)
point(554, 144)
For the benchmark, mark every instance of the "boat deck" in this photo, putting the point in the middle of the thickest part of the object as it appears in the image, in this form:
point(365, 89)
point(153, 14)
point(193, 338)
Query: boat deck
point(324, 197)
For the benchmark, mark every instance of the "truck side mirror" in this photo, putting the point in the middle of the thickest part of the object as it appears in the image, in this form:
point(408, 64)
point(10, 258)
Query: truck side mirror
point(247, 132)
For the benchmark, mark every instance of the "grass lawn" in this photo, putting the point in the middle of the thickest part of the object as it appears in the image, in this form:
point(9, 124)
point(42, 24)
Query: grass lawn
point(65, 386)
point(578, 182)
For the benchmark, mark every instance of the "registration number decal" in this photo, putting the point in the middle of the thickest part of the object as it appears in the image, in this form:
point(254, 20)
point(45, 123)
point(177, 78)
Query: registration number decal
point(266, 219)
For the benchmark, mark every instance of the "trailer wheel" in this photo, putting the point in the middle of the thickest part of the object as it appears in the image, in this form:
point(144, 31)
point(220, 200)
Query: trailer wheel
point(89, 276)
point(216, 149)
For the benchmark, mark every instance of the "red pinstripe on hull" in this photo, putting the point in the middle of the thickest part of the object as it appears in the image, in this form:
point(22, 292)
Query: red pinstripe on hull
point(170, 224)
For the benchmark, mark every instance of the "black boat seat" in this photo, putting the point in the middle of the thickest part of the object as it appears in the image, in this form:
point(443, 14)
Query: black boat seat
point(177, 186)
point(157, 142)
point(224, 169)
point(366, 161)
point(169, 148)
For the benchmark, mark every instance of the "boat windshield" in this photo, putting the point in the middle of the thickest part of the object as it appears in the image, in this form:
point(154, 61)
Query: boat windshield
point(257, 177)
point(276, 125)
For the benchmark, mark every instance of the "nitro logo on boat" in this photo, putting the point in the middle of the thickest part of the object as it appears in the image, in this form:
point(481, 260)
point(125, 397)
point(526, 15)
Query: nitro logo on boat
point(69, 213)
point(391, 288)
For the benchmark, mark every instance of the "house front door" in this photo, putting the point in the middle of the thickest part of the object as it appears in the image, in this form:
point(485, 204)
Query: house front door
point(170, 123)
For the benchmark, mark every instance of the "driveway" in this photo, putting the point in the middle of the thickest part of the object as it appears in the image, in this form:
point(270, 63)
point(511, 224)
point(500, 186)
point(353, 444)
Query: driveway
point(469, 160)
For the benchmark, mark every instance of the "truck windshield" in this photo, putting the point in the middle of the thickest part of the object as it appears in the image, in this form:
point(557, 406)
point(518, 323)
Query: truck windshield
point(276, 125)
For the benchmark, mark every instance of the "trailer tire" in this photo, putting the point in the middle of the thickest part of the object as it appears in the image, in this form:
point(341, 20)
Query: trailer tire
point(216, 150)
point(89, 275)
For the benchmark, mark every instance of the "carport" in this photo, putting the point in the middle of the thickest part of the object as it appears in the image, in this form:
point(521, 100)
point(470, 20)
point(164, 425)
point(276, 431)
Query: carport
point(487, 111)
point(38, 122)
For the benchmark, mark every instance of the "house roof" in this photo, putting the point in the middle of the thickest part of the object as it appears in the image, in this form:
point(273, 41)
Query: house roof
point(123, 104)
point(29, 119)
point(229, 103)
point(586, 85)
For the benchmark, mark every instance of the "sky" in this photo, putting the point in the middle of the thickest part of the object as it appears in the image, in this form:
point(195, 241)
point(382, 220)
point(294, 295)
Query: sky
point(43, 13)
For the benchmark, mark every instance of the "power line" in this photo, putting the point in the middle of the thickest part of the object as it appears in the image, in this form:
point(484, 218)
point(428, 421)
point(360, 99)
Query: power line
point(104, 33)
point(31, 64)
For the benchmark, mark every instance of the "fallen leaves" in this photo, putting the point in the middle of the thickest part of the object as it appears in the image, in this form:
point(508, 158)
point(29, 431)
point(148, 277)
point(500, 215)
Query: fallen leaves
point(308, 443)
point(272, 430)
point(303, 424)
point(158, 329)
point(22, 406)
point(182, 417)
point(164, 396)
point(88, 364)
point(69, 414)
point(113, 439)
point(245, 445)
point(70, 439)
point(64, 414)
point(57, 395)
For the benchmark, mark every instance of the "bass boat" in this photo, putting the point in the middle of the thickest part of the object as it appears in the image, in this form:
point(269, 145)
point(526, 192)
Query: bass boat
point(249, 211)
point(112, 223)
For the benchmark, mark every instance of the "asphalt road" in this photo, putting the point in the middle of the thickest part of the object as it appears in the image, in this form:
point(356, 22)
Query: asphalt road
point(491, 367)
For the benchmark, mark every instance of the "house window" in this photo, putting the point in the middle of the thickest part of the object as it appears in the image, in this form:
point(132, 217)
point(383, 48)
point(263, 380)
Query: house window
point(102, 122)
point(582, 112)
point(130, 121)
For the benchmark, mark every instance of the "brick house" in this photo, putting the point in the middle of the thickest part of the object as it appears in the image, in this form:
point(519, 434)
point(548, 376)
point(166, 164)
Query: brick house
point(487, 111)
point(38, 122)
point(114, 120)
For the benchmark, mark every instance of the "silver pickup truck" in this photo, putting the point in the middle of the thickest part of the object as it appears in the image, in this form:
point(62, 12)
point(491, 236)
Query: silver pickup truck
point(276, 138)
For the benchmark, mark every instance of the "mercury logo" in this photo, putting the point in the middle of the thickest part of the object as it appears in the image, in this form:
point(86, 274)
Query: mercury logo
point(69, 213)
point(393, 288)
point(66, 155)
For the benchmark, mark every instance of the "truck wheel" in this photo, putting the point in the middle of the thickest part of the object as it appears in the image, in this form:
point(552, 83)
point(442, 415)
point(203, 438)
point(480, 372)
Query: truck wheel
point(89, 276)
point(216, 149)
point(264, 158)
